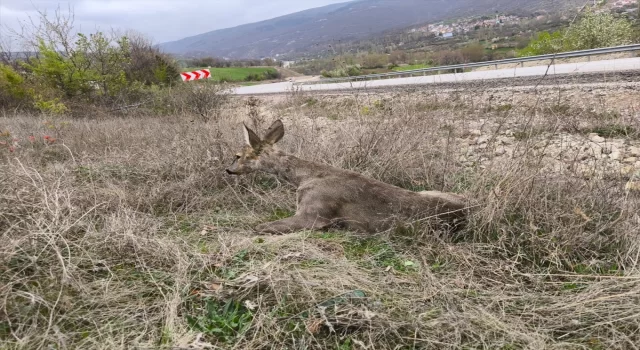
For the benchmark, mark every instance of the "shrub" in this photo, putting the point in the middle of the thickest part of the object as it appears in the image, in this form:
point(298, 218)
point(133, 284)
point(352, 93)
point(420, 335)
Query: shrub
point(47, 106)
point(148, 65)
point(70, 75)
point(374, 61)
point(254, 77)
point(353, 71)
point(543, 43)
point(349, 71)
point(73, 70)
point(12, 86)
point(272, 74)
point(201, 99)
point(315, 67)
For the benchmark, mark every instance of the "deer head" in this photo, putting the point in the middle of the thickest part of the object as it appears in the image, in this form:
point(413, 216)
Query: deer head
point(257, 154)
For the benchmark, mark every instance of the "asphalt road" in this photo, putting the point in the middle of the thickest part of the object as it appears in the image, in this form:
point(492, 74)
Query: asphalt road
point(615, 67)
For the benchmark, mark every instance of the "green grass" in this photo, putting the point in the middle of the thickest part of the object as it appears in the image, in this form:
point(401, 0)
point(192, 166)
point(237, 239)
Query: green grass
point(224, 322)
point(234, 74)
point(370, 252)
point(411, 67)
point(367, 71)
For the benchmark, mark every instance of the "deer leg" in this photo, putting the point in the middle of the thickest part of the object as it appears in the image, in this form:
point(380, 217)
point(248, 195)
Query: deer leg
point(292, 224)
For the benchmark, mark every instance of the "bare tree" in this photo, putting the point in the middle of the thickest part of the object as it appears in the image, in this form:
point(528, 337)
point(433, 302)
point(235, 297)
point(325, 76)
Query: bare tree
point(6, 53)
point(57, 30)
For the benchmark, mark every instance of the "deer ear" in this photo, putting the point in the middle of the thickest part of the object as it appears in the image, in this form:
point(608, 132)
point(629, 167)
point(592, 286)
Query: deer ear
point(274, 133)
point(250, 137)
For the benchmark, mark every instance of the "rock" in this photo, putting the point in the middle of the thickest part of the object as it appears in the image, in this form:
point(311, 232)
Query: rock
point(500, 151)
point(596, 138)
point(609, 149)
point(483, 139)
point(571, 145)
point(508, 141)
point(633, 186)
point(627, 170)
point(633, 151)
point(475, 132)
point(614, 155)
point(630, 160)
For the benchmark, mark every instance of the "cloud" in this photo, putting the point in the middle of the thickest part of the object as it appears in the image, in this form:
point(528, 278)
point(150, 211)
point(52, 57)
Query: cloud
point(162, 20)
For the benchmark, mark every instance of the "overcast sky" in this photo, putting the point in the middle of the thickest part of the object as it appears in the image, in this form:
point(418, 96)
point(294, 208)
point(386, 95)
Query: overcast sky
point(162, 20)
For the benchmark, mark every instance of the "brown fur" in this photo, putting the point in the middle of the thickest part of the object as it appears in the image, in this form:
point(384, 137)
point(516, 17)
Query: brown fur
point(329, 196)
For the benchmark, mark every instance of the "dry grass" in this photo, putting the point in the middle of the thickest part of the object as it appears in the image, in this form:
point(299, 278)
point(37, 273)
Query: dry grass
point(125, 233)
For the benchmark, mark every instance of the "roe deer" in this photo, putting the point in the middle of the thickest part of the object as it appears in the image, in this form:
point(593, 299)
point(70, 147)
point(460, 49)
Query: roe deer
point(329, 196)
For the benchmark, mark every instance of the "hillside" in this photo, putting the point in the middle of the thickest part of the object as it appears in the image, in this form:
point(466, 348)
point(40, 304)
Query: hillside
point(302, 31)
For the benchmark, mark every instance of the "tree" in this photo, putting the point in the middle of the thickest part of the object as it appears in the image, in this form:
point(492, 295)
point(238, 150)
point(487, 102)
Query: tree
point(398, 57)
point(447, 57)
point(269, 62)
point(147, 64)
point(6, 55)
point(69, 74)
point(107, 60)
point(595, 30)
point(522, 42)
point(472, 53)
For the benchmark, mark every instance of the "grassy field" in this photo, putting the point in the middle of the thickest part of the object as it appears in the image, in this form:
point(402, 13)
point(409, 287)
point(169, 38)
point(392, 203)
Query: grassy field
point(123, 231)
point(235, 74)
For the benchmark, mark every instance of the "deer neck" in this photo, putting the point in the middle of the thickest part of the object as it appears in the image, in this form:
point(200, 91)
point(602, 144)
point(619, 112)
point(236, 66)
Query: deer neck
point(292, 169)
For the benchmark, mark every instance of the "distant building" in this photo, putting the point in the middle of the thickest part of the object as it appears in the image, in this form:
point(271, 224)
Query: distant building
point(287, 64)
point(447, 35)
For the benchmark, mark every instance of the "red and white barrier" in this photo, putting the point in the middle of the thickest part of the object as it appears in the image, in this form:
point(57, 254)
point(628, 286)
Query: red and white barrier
point(195, 75)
